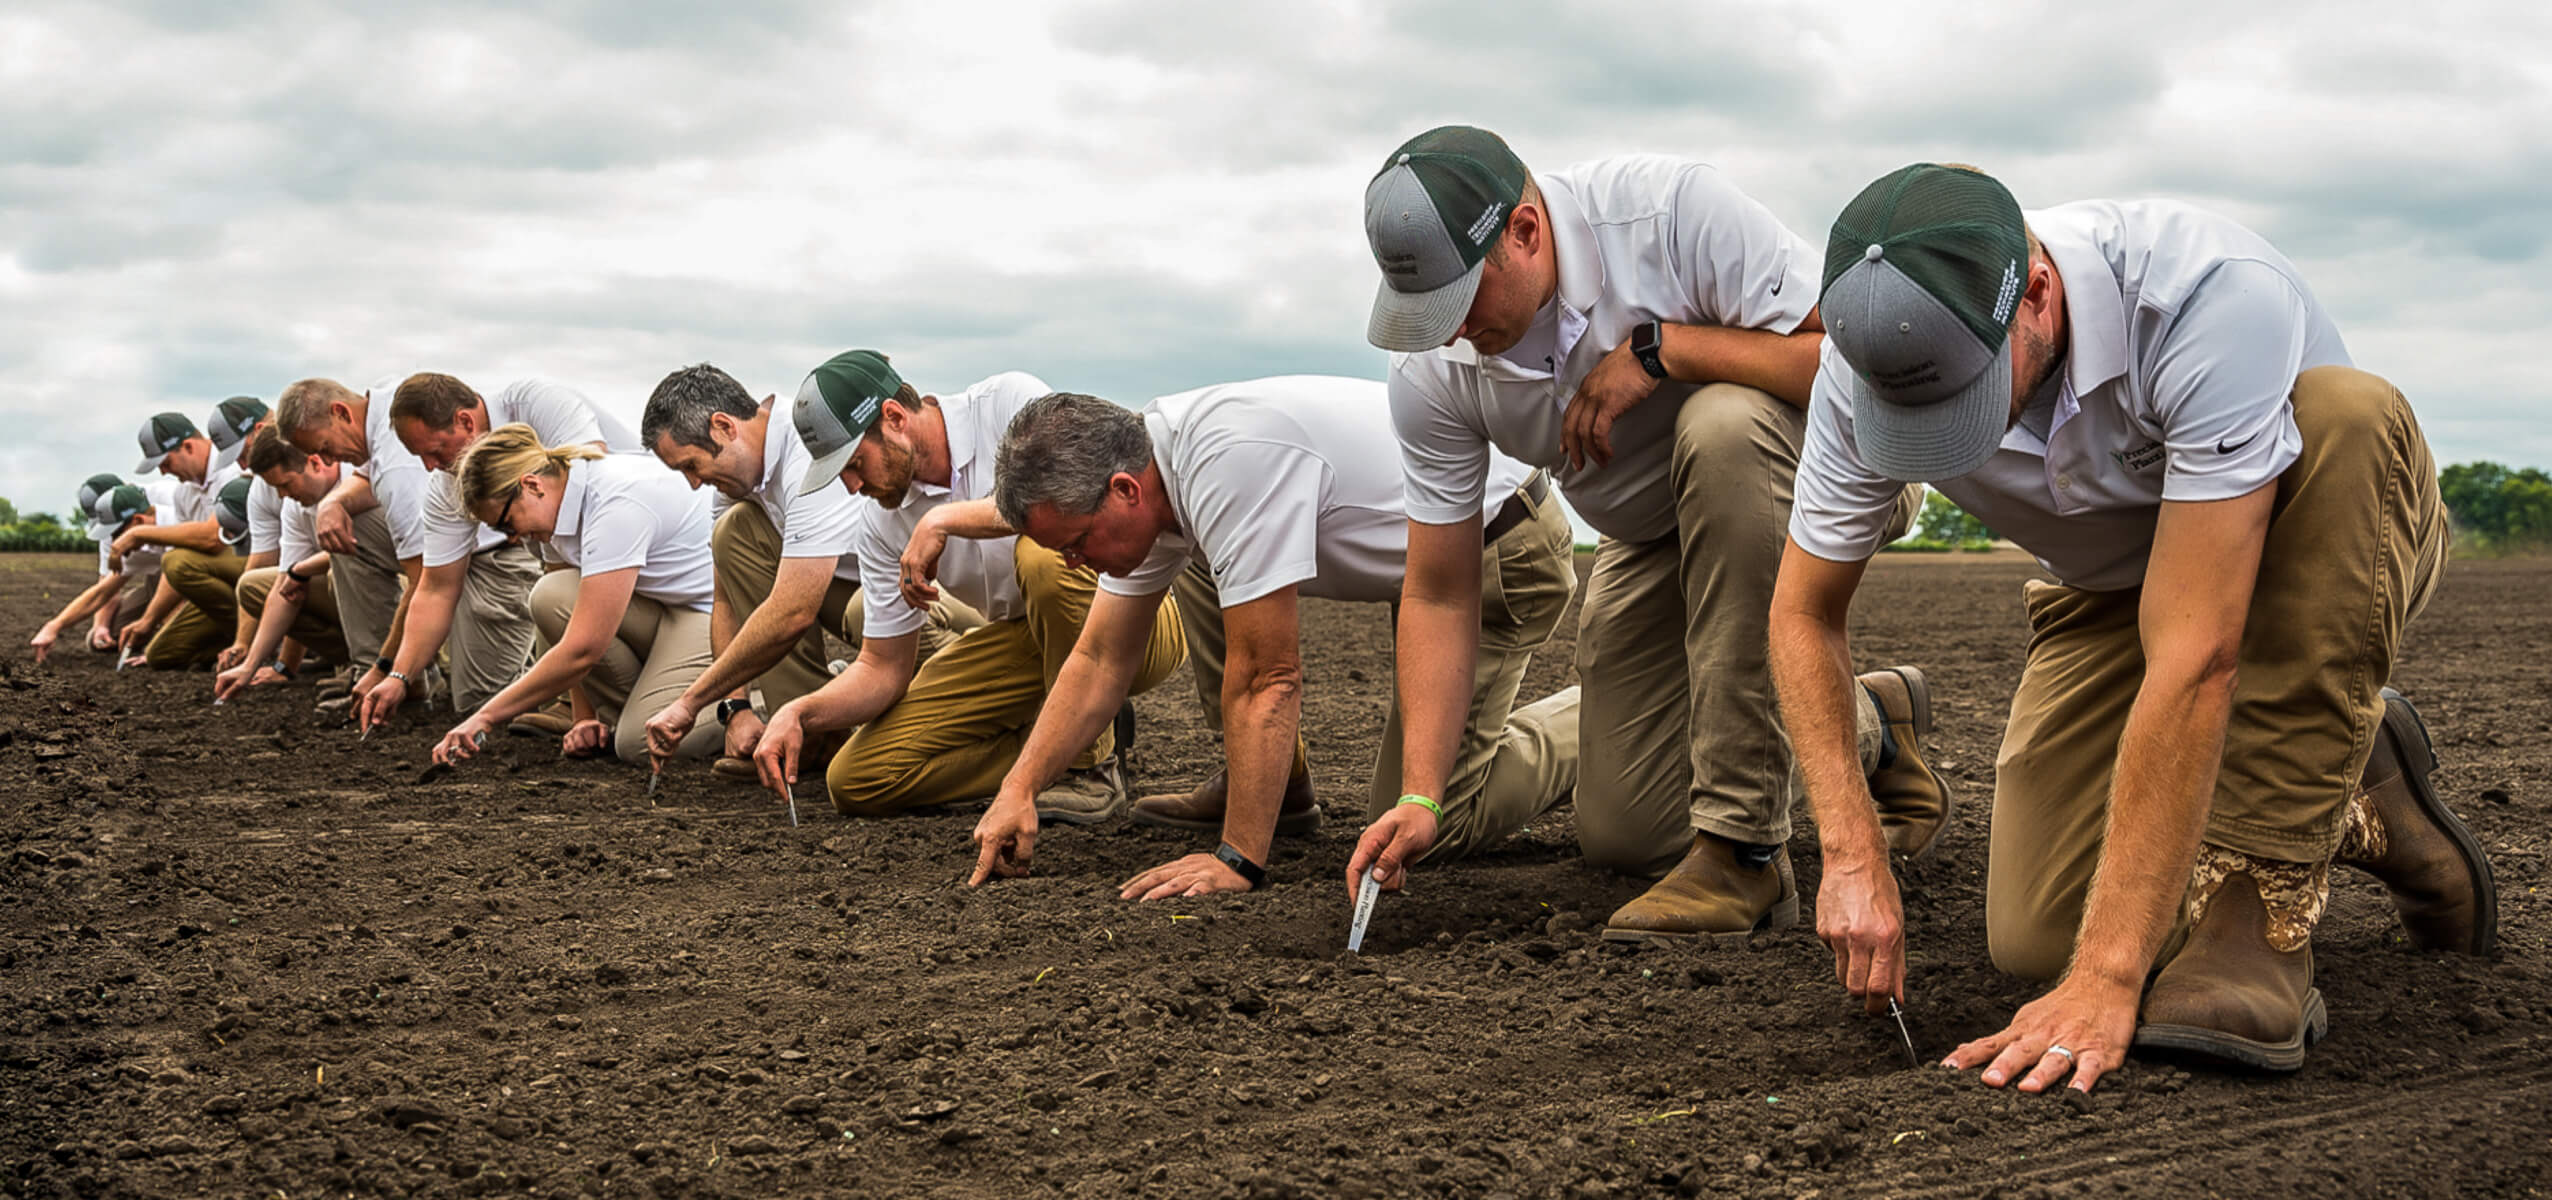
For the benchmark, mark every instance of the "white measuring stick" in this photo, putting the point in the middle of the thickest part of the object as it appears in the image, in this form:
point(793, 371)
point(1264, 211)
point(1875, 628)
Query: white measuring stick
point(1365, 894)
point(791, 790)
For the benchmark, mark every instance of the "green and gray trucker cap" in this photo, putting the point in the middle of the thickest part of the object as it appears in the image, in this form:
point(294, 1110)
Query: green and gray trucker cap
point(1922, 273)
point(836, 406)
point(162, 434)
point(1431, 214)
point(120, 504)
point(93, 489)
point(232, 419)
point(230, 509)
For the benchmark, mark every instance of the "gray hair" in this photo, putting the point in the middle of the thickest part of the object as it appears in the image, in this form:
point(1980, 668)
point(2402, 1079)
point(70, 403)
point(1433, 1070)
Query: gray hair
point(305, 403)
point(1061, 450)
point(680, 407)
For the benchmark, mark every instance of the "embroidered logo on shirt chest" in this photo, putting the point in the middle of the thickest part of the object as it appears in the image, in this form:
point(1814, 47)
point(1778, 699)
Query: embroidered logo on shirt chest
point(2139, 458)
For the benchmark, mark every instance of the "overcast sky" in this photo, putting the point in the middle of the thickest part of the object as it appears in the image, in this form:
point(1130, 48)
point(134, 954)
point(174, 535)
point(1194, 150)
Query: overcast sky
point(207, 197)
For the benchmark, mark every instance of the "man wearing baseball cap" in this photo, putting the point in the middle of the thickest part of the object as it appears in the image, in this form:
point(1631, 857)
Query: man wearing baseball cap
point(474, 586)
point(2148, 398)
point(124, 585)
point(948, 729)
point(195, 611)
point(234, 420)
point(787, 566)
point(285, 592)
point(1647, 333)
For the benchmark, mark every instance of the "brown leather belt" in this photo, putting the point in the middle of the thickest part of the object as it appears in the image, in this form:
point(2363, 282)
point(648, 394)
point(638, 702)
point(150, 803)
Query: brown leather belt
point(1518, 508)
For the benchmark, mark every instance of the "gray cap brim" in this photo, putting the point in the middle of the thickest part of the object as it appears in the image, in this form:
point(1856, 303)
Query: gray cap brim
point(827, 469)
point(100, 533)
point(1942, 440)
point(1409, 322)
point(223, 456)
point(150, 464)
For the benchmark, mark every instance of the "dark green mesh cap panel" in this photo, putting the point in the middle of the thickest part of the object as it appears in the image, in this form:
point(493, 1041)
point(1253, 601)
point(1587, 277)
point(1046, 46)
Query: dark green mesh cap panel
point(1472, 179)
point(1955, 233)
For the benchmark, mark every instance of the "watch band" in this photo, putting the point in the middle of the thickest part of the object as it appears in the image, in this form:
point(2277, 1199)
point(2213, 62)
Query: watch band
point(293, 573)
point(401, 676)
point(1647, 344)
point(1240, 864)
point(729, 707)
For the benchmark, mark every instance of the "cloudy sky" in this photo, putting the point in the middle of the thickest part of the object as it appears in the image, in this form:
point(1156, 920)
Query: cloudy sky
point(207, 197)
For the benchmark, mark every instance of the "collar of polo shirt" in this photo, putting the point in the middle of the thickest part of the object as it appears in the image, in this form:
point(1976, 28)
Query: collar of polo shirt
point(571, 501)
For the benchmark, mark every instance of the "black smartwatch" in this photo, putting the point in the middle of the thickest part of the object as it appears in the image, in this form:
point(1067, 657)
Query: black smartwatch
point(1646, 342)
point(1253, 873)
point(729, 707)
point(295, 574)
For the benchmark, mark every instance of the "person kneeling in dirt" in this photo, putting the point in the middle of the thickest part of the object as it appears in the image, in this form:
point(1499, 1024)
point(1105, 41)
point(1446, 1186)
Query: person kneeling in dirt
point(1243, 498)
point(2149, 399)
point(474, 585)
point(948, 729)
point(787, 558)
point(628, 625)
point(287, 589)
point(125, 583)
point(194, 613)
point(372, 525)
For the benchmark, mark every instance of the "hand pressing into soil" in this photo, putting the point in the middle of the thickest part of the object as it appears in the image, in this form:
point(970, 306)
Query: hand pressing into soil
point(1862, 919)
point(588, 738)
point(44, 639)
point(2082, 1027)
point(1389, 845)
point(1194, 875)
point(1004, 839)
point(464, 740)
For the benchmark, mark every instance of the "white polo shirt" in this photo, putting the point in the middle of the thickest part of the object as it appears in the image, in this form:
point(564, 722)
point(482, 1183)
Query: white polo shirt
point(2184, 334)
point(627, 510)
point(1287, 481)
point(824, 523)
point(1639, 239)
point(982, 572)
point(265, 517)
point(144, 562)
point(296, 533)
point(398, 478)
point(192, 502)
point(559, 415)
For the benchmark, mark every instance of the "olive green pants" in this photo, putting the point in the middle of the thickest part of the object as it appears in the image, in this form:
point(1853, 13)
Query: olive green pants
point(197, 631)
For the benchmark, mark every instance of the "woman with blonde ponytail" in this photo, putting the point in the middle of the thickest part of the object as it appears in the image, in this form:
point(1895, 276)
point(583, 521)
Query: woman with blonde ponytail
point(626, 626)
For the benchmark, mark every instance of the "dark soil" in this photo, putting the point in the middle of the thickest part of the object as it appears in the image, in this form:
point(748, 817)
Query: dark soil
point(244, 955)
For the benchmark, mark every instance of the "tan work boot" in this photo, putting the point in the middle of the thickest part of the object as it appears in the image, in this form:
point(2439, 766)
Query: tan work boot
point(1084, 797)
point(1711, 895)
point(729, 766)
point(2399, 832)
point(1202, 809)
point(1914, 803)
point(2241, 989)
point(553, 721)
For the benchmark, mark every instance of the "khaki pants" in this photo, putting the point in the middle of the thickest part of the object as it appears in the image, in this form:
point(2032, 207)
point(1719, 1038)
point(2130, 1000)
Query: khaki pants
point(657, 653)
point(747, 550)
point(315, 626)
point(959, 727)
point(2355, 547)
point(1512, 765)
point(208, 620)
point(1672, 645)
point(492, 629)
point(367, 584)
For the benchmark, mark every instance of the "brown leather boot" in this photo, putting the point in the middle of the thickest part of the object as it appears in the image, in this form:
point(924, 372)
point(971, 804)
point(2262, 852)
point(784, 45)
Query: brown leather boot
point(2401, 833)
point(1914, 802)
point(1202, 809)
point(1710, 895)
point(2241, 990)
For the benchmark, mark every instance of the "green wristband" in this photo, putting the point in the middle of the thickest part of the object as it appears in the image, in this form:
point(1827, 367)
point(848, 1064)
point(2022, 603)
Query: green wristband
point(1431, 806)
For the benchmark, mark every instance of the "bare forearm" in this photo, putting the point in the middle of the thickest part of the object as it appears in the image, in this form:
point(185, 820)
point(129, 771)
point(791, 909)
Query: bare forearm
point(1262, 712)
point(2159, 797)
point(429, 618)
point(562, 668)
point(1812, 675)
point(757, 645)
point(1085, 697)
point(855, 697)
point(164, 600)
point(1438, 643)
point(1783, 364)
point(970, 519)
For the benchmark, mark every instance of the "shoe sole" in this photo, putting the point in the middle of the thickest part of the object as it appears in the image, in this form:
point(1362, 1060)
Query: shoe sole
point(1074, 817)
point(1296, 824)
point(1784, 914)
point(1918, 689)
point(2419, 757)
point(2215, 1045)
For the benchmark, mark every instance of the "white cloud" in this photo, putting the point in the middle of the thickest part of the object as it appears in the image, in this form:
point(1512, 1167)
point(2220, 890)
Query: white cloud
point(199, 197)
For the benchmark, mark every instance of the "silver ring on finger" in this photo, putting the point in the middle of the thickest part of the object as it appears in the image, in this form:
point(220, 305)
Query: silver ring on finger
point(2069, 1055)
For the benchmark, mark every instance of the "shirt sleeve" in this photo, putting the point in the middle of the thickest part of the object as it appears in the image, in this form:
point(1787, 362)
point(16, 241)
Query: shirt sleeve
point(1841, 507)
point(1444, 460)
point(1740, 265)
point(1155, 573)
point(1253, 508)
point(400, 489)
point(881, 550)
point(561, 415)
point(2220, 382)
point(824, 523)
point(299, 536)
point(617, 531)
point(265, 518)
point(451, 533)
